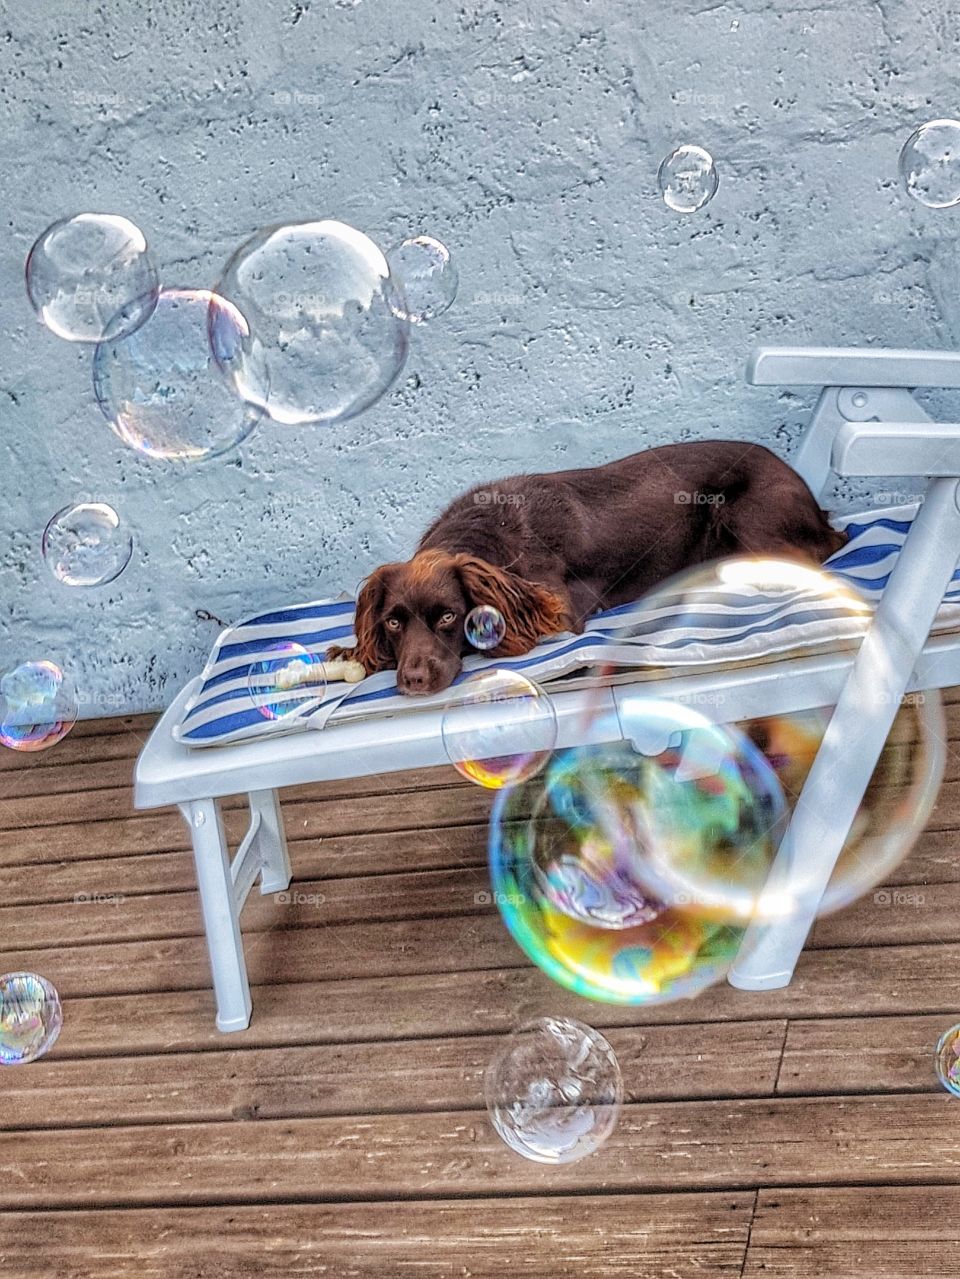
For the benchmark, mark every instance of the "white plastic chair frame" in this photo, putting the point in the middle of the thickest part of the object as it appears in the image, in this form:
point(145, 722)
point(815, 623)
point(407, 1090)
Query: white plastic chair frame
point(866, 423)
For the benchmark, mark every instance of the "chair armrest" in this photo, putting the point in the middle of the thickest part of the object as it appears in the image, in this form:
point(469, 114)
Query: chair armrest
point(850, 366)
point(897, 448)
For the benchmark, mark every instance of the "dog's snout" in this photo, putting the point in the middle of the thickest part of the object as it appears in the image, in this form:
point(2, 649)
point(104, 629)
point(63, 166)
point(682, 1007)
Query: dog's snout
point(415, 681)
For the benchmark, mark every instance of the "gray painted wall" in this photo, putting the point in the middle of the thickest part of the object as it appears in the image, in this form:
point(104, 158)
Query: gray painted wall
point(591, 321)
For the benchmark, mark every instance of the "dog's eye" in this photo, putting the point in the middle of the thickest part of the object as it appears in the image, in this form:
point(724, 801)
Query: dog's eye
point(392, 624)
point(448, 619)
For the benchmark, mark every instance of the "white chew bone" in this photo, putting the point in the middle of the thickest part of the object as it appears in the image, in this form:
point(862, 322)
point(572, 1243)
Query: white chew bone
point(299, 673)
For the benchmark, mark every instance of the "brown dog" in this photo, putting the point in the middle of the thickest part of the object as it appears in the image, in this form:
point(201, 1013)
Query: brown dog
point(548, 550)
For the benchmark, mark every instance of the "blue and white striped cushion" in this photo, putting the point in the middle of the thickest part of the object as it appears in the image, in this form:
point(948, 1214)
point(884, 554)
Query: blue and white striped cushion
point(751, 628)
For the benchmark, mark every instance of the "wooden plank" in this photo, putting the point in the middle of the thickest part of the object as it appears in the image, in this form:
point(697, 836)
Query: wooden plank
point(887, 1232)
point(306, 904)
point(105, 834)
point(704, 1145)
point(383, 852)
point(902, 915)
point(640, 1236)
point(862, 1054)
point(276, 955)
point(934, 860)
point(368, 1078)
point(867, 982)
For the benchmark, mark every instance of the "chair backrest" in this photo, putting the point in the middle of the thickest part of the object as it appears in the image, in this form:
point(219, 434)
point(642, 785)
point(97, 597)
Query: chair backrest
point(857, 385)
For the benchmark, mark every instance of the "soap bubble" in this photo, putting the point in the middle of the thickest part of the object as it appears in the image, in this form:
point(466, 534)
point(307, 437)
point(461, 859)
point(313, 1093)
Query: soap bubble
point(748, 602)
point(323, 341)
point(688, 179)
point(498, 728)
point(589, 943)
point(38, 706)
point(91, 278)
point(554, 1091)
point(930, 164)
point(287, 681)
point(161, 389)
point(684, 813)
point(30, 1018)
point(86, 545)
point(897, 804)
point(484, 627)
point(948, 1060)
point(427, 278)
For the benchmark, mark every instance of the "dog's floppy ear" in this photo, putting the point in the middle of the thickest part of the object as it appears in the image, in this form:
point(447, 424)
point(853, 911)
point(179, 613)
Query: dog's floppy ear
point(528, 609)
point(371, 651)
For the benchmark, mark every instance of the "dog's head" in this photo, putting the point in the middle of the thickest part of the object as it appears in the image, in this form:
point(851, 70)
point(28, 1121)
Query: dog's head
point(410, 616)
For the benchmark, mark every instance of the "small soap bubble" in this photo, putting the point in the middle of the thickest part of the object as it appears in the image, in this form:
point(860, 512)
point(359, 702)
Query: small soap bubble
point(948, 1060)
point(688, 179)
point(427, 277)
point(323, 340)
point(930, 164)
point(554, 1091)
point(484, 627)
point(160, 388)
point(38, 706)
point(86, 544)
point(498, 728)
point(92, 278)
point(30, 1018)
point(288, 681)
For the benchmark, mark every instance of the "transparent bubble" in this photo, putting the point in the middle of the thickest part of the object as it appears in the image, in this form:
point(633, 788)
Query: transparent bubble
point(91, 278)
point(484, 627)
point(930, 164)
point(30, 1018)
point(38, 706)
point(498, 728)
point(86, 545)
point(948, 1060)
point(688, 179)
point(288, 681)
point(160, 388)
point(554, 1091)
point(323, 341)
point(427, 278)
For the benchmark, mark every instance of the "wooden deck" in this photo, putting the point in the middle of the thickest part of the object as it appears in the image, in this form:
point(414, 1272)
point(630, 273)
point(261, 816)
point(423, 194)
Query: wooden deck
point(796, 1133)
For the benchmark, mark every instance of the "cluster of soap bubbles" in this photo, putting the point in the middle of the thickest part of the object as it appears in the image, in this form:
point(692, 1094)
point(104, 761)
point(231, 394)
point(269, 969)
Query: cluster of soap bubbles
point(929, 170)
point(30, 1018)
point(629, 868)
point(309, 323)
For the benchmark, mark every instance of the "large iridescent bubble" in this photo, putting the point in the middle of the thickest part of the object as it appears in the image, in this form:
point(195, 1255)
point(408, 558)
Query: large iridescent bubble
point(324, 339)
point(160, 388)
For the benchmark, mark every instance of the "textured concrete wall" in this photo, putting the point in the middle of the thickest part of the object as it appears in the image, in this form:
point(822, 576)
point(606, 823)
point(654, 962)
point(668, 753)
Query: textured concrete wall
point(591, 320)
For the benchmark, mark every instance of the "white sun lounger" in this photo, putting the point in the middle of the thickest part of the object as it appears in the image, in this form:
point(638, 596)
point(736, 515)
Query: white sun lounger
point(866, 423)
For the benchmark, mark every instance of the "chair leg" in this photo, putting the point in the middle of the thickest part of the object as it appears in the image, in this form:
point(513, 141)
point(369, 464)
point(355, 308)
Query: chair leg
point(858, 729)
point(276, 871)
point(221, 915)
